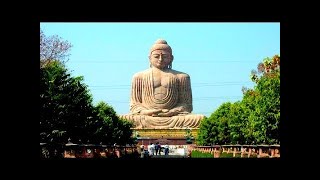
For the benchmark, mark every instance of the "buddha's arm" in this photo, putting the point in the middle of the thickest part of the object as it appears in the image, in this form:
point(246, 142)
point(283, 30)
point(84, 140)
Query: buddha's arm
point(185, 95)
point(136, 105)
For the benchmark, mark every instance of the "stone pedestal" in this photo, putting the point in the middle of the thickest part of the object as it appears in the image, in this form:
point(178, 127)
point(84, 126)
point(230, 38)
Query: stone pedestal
point(163, 136)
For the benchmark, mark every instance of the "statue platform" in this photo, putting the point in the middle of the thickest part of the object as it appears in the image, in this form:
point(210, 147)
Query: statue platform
point(170, 136)
point(165, 133)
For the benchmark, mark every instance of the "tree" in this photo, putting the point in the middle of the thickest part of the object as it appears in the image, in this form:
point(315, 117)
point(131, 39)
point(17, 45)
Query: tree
point(110, 128)
point(267, 101)
point(53, 48)
point(238, 121)
point(66, 109)
point(256, 118)
point(215, 129)
point(65, 105)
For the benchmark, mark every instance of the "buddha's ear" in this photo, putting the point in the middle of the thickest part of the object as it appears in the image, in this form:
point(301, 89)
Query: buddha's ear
point(150, 61)
point(172, 57)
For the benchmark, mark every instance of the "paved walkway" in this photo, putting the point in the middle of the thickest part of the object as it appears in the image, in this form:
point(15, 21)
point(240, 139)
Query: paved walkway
point(172, 154)
point(169, 156)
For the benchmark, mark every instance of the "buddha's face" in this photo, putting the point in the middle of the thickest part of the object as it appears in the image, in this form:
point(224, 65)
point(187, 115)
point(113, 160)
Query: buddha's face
point(160, 59)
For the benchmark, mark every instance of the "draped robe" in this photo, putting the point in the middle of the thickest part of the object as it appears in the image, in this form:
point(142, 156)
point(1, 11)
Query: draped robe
point(178, 96)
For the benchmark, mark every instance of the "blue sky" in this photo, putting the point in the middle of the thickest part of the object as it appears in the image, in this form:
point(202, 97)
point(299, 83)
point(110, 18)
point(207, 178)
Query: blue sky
point(218, 56)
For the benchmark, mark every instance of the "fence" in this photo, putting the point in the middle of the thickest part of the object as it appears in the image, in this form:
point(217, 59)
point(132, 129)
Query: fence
point(249, 151)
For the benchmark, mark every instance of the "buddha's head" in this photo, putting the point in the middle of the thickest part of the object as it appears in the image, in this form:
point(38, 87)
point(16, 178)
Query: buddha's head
point(161, 55)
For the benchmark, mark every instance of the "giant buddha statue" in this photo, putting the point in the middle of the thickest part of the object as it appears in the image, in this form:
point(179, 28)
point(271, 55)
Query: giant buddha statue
point(161, 97)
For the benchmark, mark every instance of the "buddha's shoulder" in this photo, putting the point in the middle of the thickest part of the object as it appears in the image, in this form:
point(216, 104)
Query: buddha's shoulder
point(142, 73)
point(180, 74)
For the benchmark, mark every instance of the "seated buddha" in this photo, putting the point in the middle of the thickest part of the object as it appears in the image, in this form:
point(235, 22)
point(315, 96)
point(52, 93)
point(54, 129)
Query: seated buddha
point(161, 97)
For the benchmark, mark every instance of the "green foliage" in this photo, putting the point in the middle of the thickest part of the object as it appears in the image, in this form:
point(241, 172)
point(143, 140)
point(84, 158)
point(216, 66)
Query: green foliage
point(110, 128)
point(267, 108)
point(237, 124)
point(253, 120)
point(215, 129)
point(189, 136)
point(198, 154)
point(207, 132)
point(66, 109)
point(65, 105)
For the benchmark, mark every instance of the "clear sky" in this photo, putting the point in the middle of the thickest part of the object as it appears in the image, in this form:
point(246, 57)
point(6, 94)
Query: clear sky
point(218, 56)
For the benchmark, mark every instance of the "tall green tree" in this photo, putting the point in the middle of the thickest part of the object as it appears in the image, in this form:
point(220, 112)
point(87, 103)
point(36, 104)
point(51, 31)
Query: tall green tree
point(238, 122)
point(248, 121)
point(66, 109)
point(267, 100)
point(65, 105)
point(215, 129)
point(256, 118)
point(109, 128)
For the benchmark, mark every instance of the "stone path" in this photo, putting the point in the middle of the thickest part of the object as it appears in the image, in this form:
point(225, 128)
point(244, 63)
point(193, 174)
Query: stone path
point(169, 156)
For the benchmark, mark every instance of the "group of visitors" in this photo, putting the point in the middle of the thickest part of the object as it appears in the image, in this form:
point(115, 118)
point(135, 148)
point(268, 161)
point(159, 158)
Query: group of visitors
point(154, 149)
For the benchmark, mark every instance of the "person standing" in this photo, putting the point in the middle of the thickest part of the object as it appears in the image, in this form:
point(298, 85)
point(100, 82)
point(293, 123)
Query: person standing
point(151, 149)
point(166, 149)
